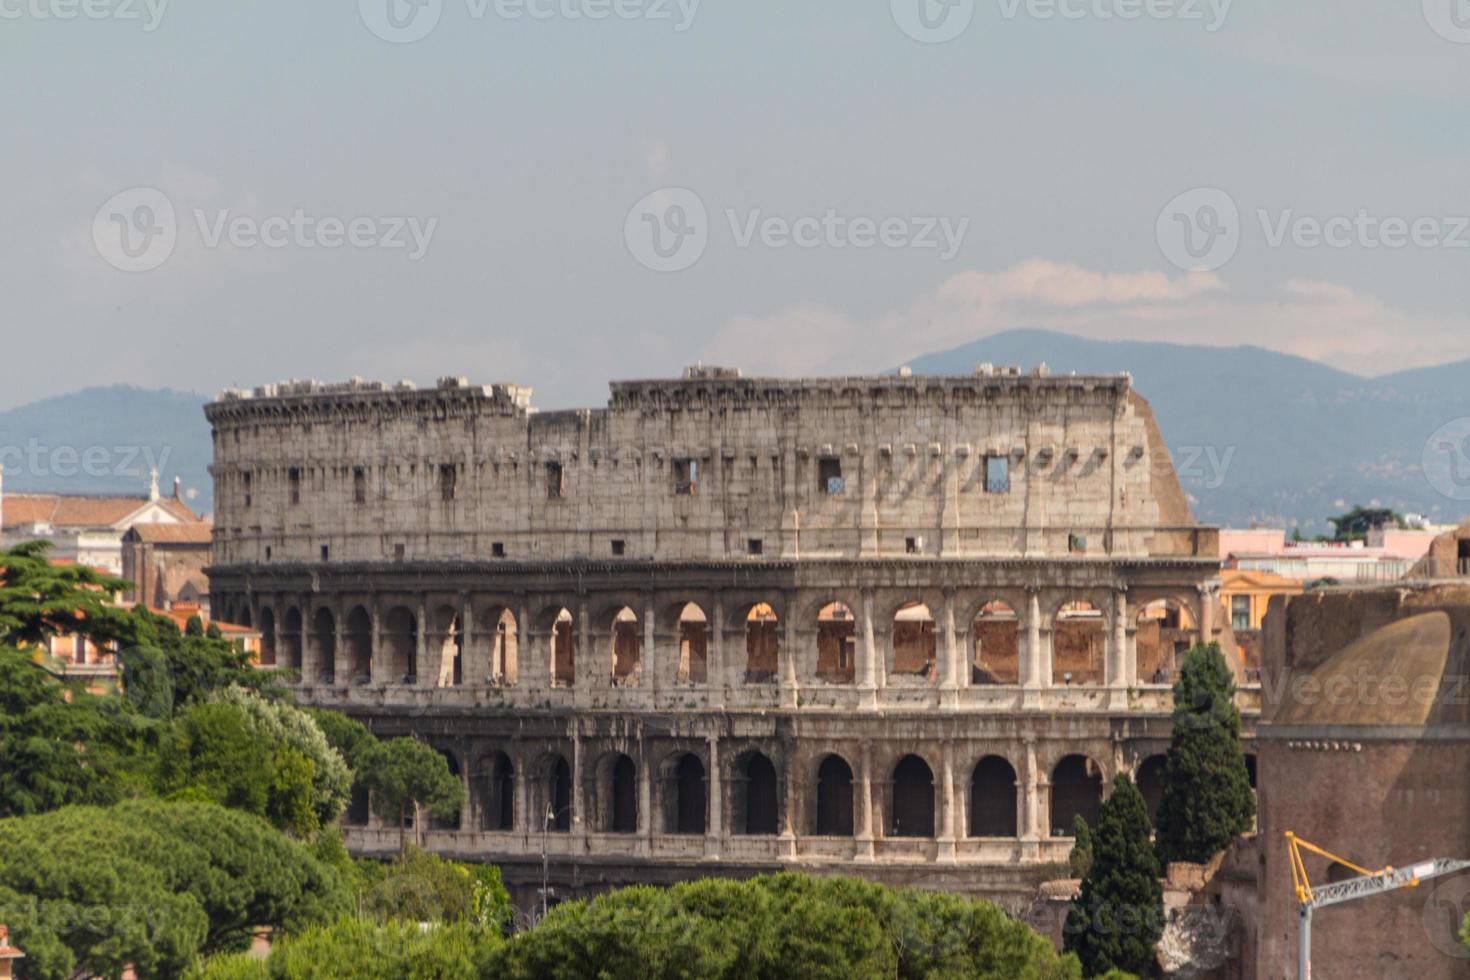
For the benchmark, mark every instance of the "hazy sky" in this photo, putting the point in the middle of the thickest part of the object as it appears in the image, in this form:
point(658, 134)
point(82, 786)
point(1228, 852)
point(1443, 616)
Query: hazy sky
point(846, 188)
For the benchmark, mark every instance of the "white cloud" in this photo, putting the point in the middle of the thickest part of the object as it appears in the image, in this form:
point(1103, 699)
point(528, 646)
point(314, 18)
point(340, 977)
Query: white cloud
point(1324, 321)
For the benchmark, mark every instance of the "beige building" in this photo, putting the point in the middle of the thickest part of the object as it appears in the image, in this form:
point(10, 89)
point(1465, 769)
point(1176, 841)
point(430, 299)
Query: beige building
point(902, 626)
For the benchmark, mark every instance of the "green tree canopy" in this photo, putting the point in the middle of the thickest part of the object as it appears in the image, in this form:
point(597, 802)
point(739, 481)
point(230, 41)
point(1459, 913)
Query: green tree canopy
point(366, 950)
point(1207, 797)
point(88, 890)
point(39, 599)
point(1118, 916)
point(403, 775)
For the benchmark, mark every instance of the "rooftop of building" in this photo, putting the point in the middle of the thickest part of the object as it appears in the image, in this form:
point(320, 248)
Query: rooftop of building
point(75, 511)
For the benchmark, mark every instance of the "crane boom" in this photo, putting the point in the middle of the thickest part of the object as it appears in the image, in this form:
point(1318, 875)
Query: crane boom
point(1366, 883)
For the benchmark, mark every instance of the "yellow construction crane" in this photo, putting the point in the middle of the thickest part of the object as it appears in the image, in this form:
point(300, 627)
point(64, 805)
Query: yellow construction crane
point(1365, 884)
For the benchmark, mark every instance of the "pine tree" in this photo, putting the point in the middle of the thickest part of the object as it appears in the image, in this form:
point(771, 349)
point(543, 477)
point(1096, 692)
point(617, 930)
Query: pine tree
point(1118, 916)
point(1080, 859)
point(1207, 796)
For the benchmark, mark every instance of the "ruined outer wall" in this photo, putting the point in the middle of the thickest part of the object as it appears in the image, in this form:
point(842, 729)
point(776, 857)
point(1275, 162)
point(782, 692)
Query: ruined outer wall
point(461, 471)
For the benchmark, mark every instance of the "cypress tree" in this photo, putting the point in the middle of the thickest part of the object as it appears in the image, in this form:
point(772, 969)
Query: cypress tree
point(1119, 914)
point(1207, 796)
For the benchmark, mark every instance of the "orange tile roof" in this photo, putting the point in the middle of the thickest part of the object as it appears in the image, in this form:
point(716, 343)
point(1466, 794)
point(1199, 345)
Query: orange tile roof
point(194, 532)
point(69, 510)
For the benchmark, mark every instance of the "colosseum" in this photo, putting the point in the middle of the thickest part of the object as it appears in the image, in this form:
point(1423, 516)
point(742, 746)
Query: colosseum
point(906, 627)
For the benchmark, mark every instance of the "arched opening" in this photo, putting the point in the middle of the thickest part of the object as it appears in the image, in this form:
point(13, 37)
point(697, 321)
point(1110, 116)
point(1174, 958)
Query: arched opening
point(755, 808)
point(626, 644)
point(693, 645)
point(563, 642)
point(1166, 630)
point(448, 641)
point(1076, 791)
point(324, 645)
point(993, 798)
point(358, 638)
point(447, 823)
point(685, 807)
point(558, 815)
point(359, 807)
point(913, 798)
point(504, 650)
point(245, 619)
point(267, 637)
point(996, 633)
point(836, 644)
point(622, 816)
point(762, 644)
point(290, 652)
point(914, 641)
point(834, 798)
point(495, 790)
point(1250, 768)
point(1078, 645)
point(400, 642)
point(1150, 780)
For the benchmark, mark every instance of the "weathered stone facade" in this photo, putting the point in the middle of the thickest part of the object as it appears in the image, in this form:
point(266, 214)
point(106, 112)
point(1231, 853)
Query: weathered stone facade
point(910, 625)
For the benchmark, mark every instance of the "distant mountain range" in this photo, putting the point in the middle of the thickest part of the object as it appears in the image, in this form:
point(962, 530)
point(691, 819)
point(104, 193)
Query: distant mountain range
point(1258, 436)
point(106, 440)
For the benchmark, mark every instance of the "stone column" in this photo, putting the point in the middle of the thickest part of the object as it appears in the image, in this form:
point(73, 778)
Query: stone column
point(1208, 597)
point(947, 813)
point(645, 798)
point(715, 829)
point(522, 809)
point(310, 671)
point(868, 486)
point(648, 665)
point(425, 673)
point(1031, 823)
point(578, 820)
point(473, 669)
point(378, 669)
point(868, 661)
point(864, 816)
point(590, 669)
point(950, 655)
point(716, 668)
point(1118, 679)
point(1031, 679)
point(341, 665)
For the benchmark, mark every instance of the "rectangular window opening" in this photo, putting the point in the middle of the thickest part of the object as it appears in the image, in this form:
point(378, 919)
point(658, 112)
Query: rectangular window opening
point(755, 546)
point(619, 546)
point(448, 478)
point(829, 475)
point(359, 485)
point(293, 477)
point(497, 549)
point(686, 477)
point(997, 474)
point(556, 482)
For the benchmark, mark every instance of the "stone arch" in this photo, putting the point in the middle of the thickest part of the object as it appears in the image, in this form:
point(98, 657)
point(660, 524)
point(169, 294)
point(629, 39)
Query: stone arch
point(1076, 791)
point(836, 643)
point(754, 796)
point(1167, 626)
point(245, 618)
point(685, 794)
point(559, 625)
point(1150, 780)
point(358, 639)
point(504, 643)
point(626, 647)
point(324, 644)
point(447, 823)
point(400, 645)
point(446, 641)
point(834, 816)
point(289, 652)
point(495, 792)
point(617, 794)
point(913, 798)
point(554, 795)
point(995, 643)
point(693, 634)
point(762, 644)
point(1079, 640)
point(914, 641)
point(993, 798)
point(267, 637)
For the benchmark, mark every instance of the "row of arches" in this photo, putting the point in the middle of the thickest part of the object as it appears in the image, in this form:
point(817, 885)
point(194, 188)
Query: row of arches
point(1079, 639)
